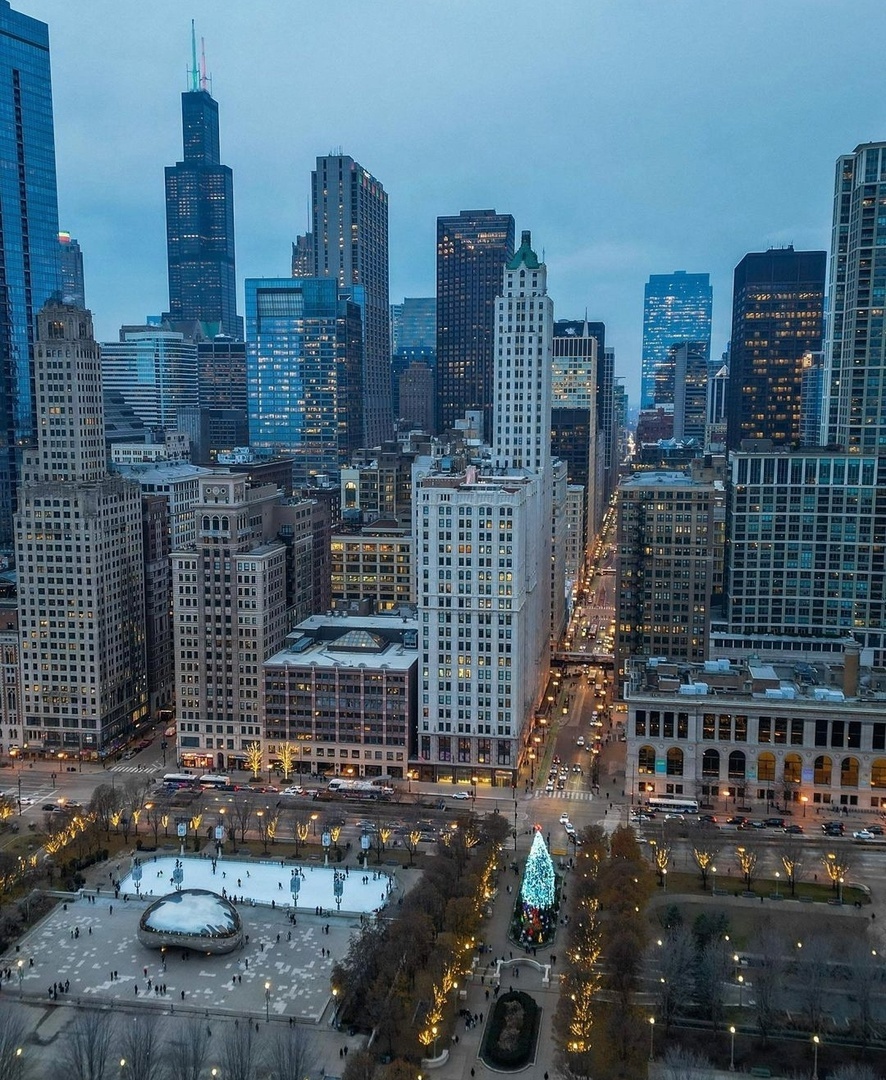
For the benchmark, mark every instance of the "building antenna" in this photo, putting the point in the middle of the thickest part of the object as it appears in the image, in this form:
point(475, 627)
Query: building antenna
point(203, 79)
point(193, 72)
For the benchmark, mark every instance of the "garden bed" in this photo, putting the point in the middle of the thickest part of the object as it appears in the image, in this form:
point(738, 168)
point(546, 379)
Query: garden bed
point(511, 1032)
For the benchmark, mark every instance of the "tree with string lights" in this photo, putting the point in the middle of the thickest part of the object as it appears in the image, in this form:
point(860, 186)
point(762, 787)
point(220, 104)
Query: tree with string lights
point(538, 917)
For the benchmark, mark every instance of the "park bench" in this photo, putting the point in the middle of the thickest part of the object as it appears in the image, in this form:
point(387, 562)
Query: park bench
point(760, 1070)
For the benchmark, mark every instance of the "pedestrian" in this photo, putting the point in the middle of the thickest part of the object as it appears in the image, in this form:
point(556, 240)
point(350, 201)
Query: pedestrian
point(183, 995)
point(110, 909)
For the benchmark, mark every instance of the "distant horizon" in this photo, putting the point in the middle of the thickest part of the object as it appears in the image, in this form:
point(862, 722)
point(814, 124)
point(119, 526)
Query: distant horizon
point(632, 139)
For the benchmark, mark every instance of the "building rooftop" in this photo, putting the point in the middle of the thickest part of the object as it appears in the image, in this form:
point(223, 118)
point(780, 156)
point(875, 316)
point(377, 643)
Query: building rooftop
point(168, 472)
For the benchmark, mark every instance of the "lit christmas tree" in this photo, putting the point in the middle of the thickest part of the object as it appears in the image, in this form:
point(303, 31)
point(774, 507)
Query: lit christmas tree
point(538, 893)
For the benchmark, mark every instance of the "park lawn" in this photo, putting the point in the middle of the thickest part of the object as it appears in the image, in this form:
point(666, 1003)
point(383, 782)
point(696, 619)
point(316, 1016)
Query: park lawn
point(681, 884)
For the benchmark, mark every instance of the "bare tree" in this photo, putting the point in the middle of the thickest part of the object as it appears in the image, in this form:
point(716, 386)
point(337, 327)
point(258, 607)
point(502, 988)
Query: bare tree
point(770, 948)
point(712, 972)
point(865, 971)
point(292, 1054)
point(15, 1063)
point(242, 812)
point(141, 1047)
point(85, 1051)
point(240, 1056)
point(793, 859)
point(814, 973)
point(682, 1064)
point(705, 851)
point(676, 962)
point(104, 802)
point(187, 1053)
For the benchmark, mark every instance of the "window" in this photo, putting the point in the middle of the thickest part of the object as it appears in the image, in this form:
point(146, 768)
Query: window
point(878, 773)
point(737, 765)
point(675, 761)
point(710, 763)
point(793, 769)
point(822, 770)
point(766, 767)
point(849, 772)
point(646, 761)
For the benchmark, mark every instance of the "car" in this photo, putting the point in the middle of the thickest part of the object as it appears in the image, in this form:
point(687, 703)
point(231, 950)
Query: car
point(877, 830)
point(580, 741)
point(293, 791)
point(570, 829)
point(555, 759)
point(549, 787)
point(833, 828)
point(707, 819)
point(863, 834)
point(561, 784)
point(564, 819)
point(462, 795)
point(773, 823)
point(739, 821)
point(576, 769)
point(50, 807)
point(129, 755)
point(793, 830)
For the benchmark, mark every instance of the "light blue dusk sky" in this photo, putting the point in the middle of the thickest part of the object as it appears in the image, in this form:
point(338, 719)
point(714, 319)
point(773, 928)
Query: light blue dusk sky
point(631, 136)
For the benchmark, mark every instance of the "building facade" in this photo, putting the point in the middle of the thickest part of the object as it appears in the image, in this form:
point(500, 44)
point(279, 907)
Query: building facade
point(676, 307)
point(757, 735)
point(777, 317)
point(690, 360)
point(342, 695)
point(71, 263)
point(200, 220)
point(374, 565)
point(305, 366)
point(155, 371)
point(29, 248)
point(472, 250)
point(350, 246)
point(79, 554)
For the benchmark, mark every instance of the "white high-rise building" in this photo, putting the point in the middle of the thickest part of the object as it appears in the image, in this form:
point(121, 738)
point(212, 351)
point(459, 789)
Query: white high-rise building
point(483, 560)
point(78, 539)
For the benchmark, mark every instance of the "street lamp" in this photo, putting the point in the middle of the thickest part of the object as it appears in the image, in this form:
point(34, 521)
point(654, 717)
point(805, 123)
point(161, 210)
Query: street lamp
point(777, 876)
point(267, 1002)
point(434, 1033)
point(732, 1049)
point(804, 799)
point(740, 989)
point(474, 792)
point(815, 1042)
point(651, 1038)
point(314, 822)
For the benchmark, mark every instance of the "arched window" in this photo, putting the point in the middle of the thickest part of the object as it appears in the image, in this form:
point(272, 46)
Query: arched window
point(710, 763)
point(646, 761)
point(849, 772)
point(737, 765)
point(878, 772)
point(823, 767)
point(226, 524)
point(215, 524)
point(793, 769)
point(766, 768)
point(675, 761)
point(205, 523)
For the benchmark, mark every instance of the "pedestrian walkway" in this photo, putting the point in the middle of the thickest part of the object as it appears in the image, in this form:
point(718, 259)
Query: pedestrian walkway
point(142, 769)
point(517, 970)
point(575, 796)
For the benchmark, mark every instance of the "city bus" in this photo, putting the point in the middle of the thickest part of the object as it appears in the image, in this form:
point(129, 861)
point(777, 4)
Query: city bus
point(174, 779)
point(214, 780)
point(673, 804)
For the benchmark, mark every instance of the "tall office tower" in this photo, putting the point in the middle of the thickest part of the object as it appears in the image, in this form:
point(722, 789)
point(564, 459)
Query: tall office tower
point(221, 374)
point(303, 256)
point(200, 218)
point(815, 522)
point(155, 371)
point(236, 591)
point(157, 534)
point(777, 317)
point(71, 262)
point(667, 533)
point(620, 421)
point(472, 251)
point(574, 415)
point(676, 307)
point(718, 396)
point(82, 623)
point(483, 559)
point(415, 397)
point(607, 469)
point(350, 245)
point(855, 379)
point(304, 366)
point(690, 361)
point(413, 339)
point(29, 250)
point(812, 398)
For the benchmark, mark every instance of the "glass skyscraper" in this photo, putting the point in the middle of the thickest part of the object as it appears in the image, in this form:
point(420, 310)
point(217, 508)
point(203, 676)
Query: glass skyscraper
point(29, 250)
point(200, 222)
point(473, 248)
point(304, 351)
point(676, 308)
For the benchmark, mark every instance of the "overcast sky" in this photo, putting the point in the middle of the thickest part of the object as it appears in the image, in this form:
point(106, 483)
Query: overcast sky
point(631, 136)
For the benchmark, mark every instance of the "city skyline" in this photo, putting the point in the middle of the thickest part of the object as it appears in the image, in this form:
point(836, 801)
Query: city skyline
point(716, 180)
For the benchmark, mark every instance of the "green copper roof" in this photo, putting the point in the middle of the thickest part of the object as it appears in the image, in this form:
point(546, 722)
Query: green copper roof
point(524, 254)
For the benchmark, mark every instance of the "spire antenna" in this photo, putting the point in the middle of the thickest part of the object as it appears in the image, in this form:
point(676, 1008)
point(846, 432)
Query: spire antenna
point(203, 79)
point(193, 71)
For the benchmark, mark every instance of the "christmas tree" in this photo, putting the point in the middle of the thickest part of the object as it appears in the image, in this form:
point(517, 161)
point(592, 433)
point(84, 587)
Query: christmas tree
point(537, 890)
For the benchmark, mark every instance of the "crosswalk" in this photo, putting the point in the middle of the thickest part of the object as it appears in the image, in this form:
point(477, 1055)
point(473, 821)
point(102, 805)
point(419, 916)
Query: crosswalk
point(156, 767)
point(575, 796)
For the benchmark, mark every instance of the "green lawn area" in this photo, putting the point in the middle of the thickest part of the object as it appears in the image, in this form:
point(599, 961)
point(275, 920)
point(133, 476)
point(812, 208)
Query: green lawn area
point(681, 884)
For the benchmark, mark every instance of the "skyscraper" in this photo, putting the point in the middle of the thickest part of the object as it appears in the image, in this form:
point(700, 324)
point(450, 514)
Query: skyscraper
point(83, 635)
point(676, 307)
point(574, 416)
point(413, 339)
point(777, 317)
point(304, 370)
point(472, 250)
point(690, 360)
point(73, 290)
point(29, 254)
point(200, 219)
point(350, 244)
point(855, 376)
point(155, 371)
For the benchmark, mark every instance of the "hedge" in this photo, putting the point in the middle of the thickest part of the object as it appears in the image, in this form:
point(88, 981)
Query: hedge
point(507, 1012)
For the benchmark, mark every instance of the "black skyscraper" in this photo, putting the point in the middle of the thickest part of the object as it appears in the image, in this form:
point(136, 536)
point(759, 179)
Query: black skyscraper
point(777, 317)
point(472, 250)
point(200, 220)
